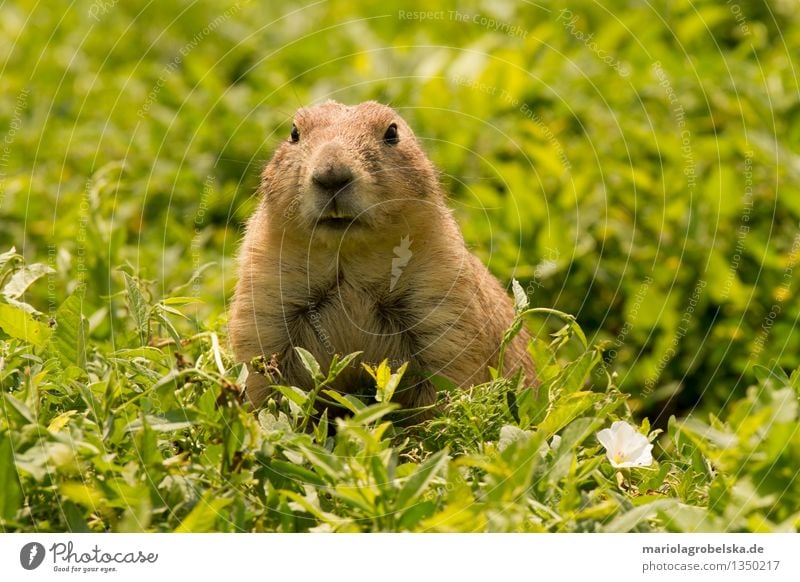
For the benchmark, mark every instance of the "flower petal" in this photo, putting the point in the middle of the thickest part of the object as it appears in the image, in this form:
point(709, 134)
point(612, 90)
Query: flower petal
point(625, 445)
point(635, 450)
point(606, 438)
point(623, 465)
point(645, 459)
point(624, 429)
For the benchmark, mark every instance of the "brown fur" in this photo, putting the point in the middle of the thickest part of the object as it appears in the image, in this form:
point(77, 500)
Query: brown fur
point(328, 288)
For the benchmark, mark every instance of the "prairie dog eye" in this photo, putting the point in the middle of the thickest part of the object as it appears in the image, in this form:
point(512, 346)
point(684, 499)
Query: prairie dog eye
point(295, 135)
point(391, 136)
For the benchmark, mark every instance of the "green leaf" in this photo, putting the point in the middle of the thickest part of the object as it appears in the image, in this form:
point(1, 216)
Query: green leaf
point(167, 309)
point(313, 508)
point(571, 438)
point(180, 300)
point(82, 494)
point(327, 464)
point(69, 337)
point(168, 422)
point(321, 428)
point(543, 359)
point(380, 374)
point(204, 515)
point(21, 409)
point(11, 497)
point(293, 393)
point(511, 434)
point(173, 333)
point(784, 405)
point(773, 376)
point(510, 474)
point(373, 413)
point(354, 496)
point(531, 405)
point(216, 350)
point(138, 307)
point(420, 479)
point(629, 520)
point(385, 393)
point(416, 513)
point(379, 469)
point(149, 353)
point(347, 401)
point(24, 278)
point(310, 363)
point(690, 519)
point(386, 382)
point(22, 326)
point(7, 256)
point(61, 420)
point(292, 471)
point(521, 300)
point(567, 409)
point(702, 434)
point(338, 366)
point(578, 371)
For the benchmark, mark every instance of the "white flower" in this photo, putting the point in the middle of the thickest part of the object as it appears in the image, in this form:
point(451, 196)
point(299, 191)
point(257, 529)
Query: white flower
point(625, 447)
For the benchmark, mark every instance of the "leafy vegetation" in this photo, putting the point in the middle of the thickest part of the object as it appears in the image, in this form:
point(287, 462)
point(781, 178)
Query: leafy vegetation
point(643, 179)
point(146, 438)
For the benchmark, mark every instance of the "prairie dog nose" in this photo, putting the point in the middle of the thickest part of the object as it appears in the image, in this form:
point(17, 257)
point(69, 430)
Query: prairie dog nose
point(332, 172)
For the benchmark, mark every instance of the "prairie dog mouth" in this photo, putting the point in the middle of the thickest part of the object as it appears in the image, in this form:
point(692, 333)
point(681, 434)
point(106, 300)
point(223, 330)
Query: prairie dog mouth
point(337, 222)
point(335, 214)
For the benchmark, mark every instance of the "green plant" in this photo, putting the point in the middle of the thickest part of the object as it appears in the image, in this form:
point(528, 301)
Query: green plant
point(154, 435)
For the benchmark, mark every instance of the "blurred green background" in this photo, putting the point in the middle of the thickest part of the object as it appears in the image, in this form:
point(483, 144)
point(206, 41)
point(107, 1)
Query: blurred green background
point(637, 166)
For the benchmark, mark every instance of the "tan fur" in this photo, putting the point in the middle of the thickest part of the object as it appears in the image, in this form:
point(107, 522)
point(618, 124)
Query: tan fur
point(329, 289)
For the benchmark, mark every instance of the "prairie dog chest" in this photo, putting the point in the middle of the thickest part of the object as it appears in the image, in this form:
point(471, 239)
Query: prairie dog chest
point(346, 317)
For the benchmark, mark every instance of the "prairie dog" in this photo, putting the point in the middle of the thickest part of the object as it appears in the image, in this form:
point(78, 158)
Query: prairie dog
point(352, 248)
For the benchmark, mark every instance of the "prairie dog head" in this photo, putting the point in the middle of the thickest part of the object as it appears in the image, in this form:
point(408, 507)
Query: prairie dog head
point(356, 170)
